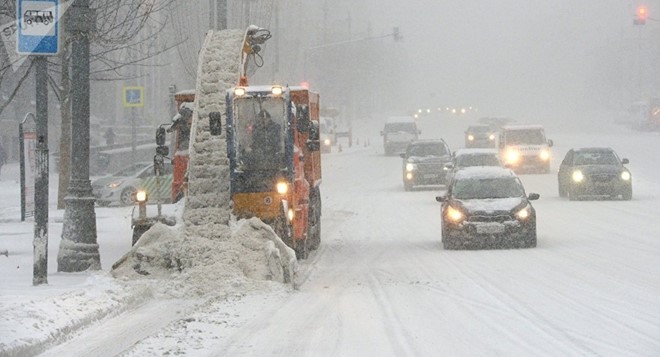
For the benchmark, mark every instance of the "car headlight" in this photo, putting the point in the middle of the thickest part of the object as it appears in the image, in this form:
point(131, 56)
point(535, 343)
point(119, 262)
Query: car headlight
point(524, 213)
point(115, 184)
point(544, 155)
point(491, 137)
point(326, 142)
point(625, 176)
point(282, 187)
point(411, 167)
point(470, 137)
point(578, 176)
point(512, 156)
point(454, 214)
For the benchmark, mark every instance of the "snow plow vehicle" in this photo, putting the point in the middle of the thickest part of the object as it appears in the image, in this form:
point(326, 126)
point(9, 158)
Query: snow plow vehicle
point(274, 156)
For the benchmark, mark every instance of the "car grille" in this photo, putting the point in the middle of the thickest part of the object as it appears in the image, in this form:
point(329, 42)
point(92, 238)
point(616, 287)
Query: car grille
point(435, 168)
point(497, 218)
point(603, 178)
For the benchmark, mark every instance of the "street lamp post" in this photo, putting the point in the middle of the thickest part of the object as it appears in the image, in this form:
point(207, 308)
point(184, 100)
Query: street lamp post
point(79, 250)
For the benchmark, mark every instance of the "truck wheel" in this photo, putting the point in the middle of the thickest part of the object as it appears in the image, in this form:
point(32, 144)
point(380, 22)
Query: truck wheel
point(315, 238)
point(302, 249)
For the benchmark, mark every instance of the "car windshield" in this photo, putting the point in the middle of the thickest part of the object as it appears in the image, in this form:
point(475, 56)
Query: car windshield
point(131, 170)
point(427, 150)
point(484, 188)
point(477, 160)
point(478, 129)
point(595, 158)
point(531, 137)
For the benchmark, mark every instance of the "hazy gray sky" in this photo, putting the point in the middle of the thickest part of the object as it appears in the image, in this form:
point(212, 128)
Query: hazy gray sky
point(522, 56)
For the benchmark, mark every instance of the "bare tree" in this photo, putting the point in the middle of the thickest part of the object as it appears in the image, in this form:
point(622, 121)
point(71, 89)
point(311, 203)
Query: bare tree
point(120, 28)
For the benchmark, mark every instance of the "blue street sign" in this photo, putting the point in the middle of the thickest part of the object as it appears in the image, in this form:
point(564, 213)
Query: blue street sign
point(38, 27)
point(133, 97)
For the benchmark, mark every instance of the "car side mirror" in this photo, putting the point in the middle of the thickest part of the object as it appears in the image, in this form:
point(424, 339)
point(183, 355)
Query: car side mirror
point(625, 161)
point(550, 143)
point(440, 198)
point(403, 155)
point(533, 196)
point(162, 150)
point(215, 123)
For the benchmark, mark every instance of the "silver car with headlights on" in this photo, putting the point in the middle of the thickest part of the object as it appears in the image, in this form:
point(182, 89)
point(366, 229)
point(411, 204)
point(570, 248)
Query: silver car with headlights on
point(487, 208)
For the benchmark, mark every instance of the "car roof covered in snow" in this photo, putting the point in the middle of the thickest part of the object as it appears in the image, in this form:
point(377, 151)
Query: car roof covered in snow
point(522, 127)
point(483, 172)
point(475, 151)
point(593, 149)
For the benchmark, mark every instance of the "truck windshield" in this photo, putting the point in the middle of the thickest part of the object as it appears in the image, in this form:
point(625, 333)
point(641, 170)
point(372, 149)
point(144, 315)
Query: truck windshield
point(531, 137)
point(260, 127)
point(401, 127)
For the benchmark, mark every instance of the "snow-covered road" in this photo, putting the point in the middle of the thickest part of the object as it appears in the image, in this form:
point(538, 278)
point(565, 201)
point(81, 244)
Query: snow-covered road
point(381, 284)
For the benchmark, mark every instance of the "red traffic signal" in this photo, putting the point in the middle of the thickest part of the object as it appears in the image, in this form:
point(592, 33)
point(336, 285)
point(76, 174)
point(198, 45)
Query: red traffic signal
point(641, 15)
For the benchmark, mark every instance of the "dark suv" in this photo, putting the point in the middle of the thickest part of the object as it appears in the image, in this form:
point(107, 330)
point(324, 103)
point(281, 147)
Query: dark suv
point(424, 163)
point(480, 136)
point(486, 208)
point(593, 172)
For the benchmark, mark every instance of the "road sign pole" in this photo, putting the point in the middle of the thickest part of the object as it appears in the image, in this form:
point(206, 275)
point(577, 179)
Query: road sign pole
point(40, 272)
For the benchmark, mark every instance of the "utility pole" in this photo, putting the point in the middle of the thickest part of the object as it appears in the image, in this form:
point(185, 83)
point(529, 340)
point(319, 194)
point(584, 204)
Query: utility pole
point(79, 250)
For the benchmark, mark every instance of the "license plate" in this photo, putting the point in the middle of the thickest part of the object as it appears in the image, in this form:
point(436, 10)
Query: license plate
point(490, 228)
point(430, 176)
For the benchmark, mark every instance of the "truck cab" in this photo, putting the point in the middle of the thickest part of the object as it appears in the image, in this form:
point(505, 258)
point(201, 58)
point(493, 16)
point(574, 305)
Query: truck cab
point(525, 148)
point(398, 133)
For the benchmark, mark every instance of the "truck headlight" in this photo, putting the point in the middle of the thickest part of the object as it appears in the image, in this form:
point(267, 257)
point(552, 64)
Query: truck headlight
point(491, 137)
point(524, 213)
point(544, 155)
point(282, 187)
point(276, 90)
point(411, 167)
point(326, 142)
point(239, 91)
point(454, 214)
point(512, 156)
point(625, 176)
point(577, 176)
point(470, 137)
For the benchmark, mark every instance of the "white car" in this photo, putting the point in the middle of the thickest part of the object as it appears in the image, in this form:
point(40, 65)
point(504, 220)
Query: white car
point(119, 187)
point(463, 158)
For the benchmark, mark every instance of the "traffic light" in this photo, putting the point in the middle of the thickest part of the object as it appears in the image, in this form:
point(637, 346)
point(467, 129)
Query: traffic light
point(641, 15)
